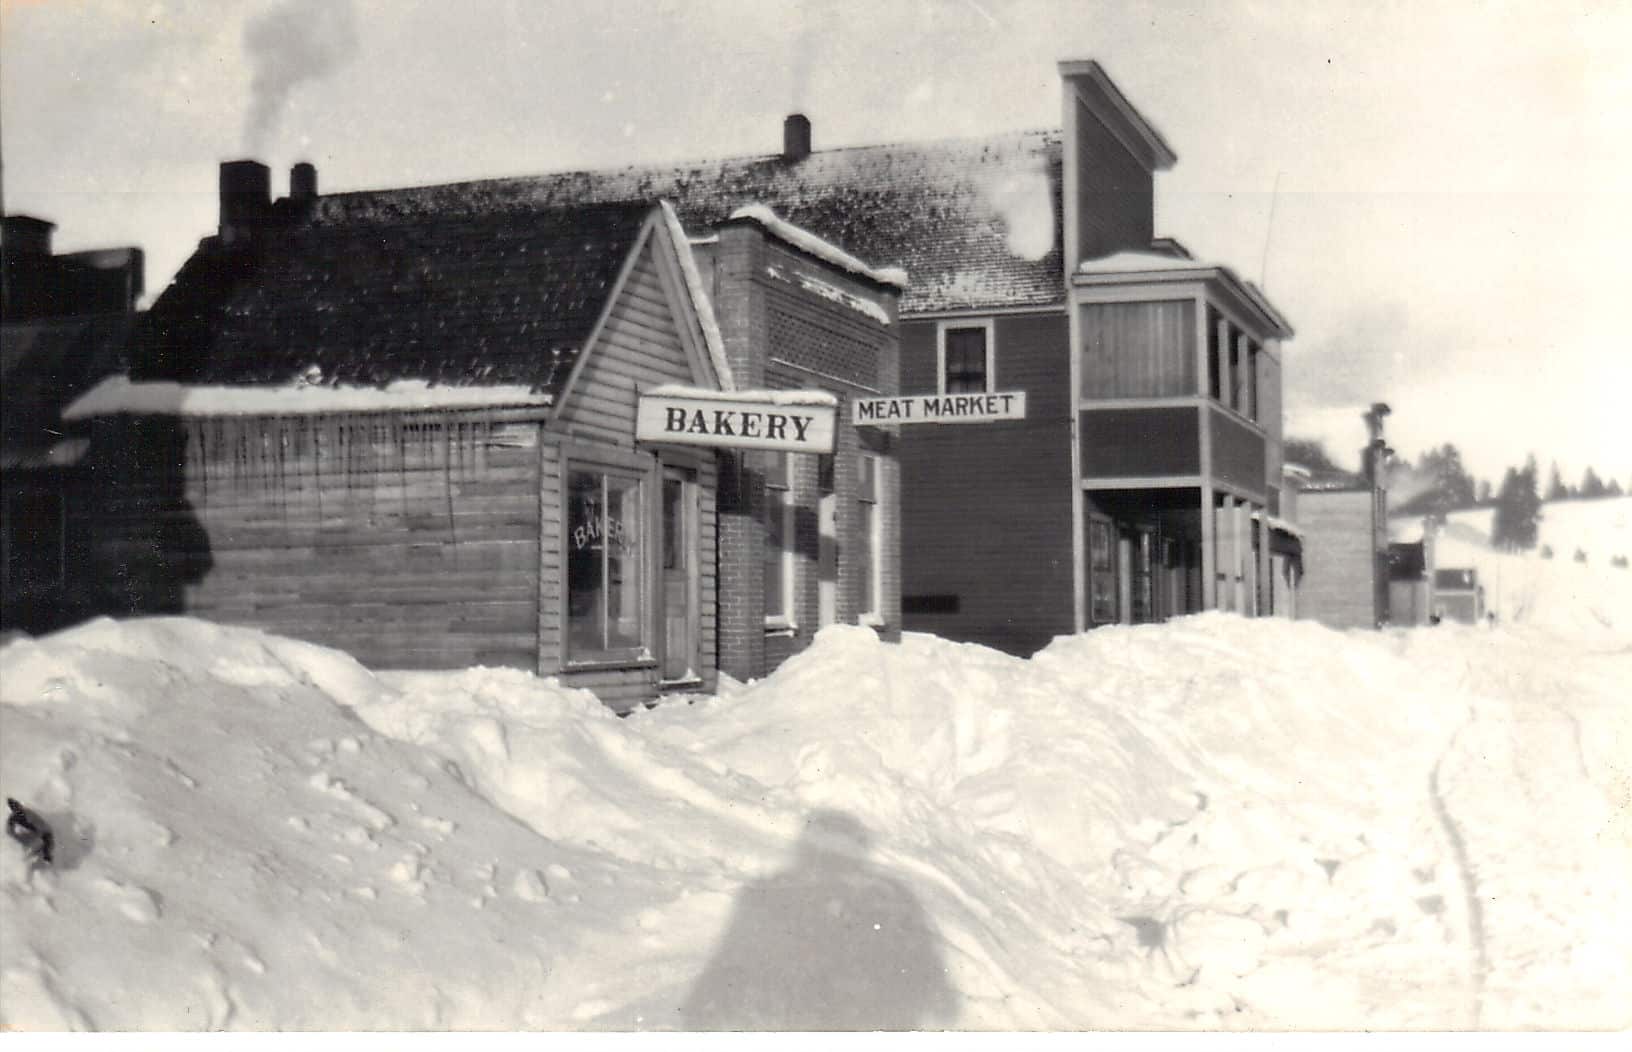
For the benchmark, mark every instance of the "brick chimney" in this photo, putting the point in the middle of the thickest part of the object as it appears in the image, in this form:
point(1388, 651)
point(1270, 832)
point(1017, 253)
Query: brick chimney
point(303, 182)
point(246, 199)
point(26, 236)
point(795, 138)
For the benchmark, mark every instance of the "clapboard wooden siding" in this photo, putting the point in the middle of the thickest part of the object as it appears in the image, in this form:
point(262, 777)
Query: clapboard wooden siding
point(1340, 563)
point(986, 508)
point(639, 347)
point(1238, 451)
point(408, 542)
point(1269, 415)
point(1136, 350)
point(1116, 193)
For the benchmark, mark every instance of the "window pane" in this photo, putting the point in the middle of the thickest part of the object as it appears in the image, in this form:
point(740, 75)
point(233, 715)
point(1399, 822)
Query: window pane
point(776, 542)
point(1101, 573)
point(586, 597)
point(623, 576)
point(965, 360)
point(867, 558)
point(604, 581)
point(673, 525)
point(776, 469)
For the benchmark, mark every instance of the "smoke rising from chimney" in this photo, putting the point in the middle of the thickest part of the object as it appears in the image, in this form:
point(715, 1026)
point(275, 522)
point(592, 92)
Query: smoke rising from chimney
point(293, 42)
point(816, 22)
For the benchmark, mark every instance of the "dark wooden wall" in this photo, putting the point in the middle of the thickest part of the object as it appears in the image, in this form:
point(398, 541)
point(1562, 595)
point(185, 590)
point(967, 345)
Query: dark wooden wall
point(407, 541)
point(1115, 193)
point(986, 508)
point(1239, 455)
point(1159, 442)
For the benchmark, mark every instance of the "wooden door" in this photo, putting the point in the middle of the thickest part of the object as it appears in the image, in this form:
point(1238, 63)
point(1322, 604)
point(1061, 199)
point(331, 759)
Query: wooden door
point(679, 575)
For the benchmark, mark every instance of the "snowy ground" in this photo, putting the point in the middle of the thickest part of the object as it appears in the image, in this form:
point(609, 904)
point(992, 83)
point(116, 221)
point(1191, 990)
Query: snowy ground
point(1213, 824)
point(1579, 597)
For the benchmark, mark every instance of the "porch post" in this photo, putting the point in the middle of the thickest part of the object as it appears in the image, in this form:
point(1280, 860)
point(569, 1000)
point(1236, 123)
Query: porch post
point(1209, 552)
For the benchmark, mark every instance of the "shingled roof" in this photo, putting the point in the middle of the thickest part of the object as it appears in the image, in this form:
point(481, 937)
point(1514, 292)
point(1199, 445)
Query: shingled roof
point(962, 216)
point(452, 297)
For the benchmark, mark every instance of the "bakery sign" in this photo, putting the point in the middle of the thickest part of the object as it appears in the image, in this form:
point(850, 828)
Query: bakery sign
point(795, 421)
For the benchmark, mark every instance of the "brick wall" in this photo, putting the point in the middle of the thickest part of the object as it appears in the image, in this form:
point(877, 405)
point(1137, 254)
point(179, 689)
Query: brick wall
point(791, 321)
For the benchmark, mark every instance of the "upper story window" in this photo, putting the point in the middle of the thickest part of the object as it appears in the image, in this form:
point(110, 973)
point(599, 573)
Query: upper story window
point(964, 356)
point(1233, 362)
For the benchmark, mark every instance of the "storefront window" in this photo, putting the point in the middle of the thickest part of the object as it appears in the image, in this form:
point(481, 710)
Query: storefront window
point(1101, 572)
point(779, 540)
point(1143, 597)
point(868, 562)
point(606, 586)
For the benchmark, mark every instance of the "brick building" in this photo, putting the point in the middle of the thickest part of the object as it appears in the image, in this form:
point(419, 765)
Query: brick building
point(561, 437)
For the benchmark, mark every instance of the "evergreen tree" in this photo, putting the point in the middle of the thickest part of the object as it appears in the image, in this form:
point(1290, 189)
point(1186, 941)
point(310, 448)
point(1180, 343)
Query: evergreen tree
point(1484, 492)
point(1555, 488)
point(1614, 489)
point(1517, 520)
point(1440, 482)
point(1309, 452)
point(1591, 485)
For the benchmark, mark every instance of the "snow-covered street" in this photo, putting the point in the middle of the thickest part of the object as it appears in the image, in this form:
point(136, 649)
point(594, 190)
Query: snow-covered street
point(1217, 823)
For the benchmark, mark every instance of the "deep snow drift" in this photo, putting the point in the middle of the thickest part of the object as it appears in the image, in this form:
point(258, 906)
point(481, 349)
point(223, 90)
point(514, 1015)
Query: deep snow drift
point(1216, 823)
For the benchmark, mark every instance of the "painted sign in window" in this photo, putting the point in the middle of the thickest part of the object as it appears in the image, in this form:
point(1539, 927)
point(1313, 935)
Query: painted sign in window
point(606, 582)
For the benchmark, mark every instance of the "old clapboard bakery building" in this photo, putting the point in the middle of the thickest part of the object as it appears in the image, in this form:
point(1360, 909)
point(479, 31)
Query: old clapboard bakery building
point(562, 437)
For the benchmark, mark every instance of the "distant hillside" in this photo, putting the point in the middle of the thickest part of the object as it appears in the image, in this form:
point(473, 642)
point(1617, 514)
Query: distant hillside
point(1556, 592)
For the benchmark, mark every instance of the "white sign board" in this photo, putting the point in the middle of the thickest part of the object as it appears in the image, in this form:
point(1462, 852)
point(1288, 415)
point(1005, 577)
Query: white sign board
point(734, 424)
point(940, 409)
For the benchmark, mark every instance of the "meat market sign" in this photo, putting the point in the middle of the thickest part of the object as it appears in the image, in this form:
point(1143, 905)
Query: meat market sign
point(798, 422)
point(940, 409)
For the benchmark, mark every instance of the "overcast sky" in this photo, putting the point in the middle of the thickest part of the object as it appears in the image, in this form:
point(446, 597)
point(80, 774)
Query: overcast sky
point(1434, 193)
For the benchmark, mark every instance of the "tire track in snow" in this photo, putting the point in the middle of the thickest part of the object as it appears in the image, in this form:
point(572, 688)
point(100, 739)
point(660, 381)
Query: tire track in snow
point(1472, 902)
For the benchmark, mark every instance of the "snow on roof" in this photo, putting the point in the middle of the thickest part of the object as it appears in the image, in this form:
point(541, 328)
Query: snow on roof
point(860, 304)
point(1136, 261)
point(767, 396)
point(805, 241)
point(1278, 523)
point(119, 394)
point(926, 206)
point(699, 296)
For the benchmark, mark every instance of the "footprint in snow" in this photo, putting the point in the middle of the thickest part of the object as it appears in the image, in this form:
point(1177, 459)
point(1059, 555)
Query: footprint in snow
point(139, 905)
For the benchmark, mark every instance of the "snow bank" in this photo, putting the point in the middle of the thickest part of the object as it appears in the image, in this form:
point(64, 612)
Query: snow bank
point(1214, 824)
